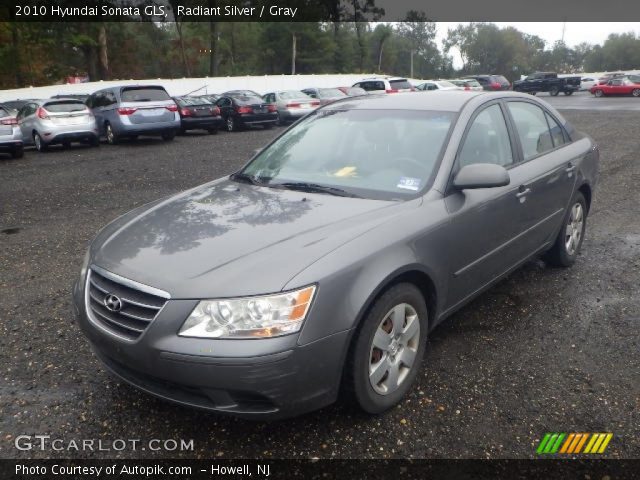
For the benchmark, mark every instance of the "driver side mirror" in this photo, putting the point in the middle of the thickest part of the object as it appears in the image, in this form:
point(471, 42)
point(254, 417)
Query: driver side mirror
point(481, 175)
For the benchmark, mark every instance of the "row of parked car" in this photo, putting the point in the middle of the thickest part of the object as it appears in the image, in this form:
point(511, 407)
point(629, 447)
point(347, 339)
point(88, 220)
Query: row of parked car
point(120, 112)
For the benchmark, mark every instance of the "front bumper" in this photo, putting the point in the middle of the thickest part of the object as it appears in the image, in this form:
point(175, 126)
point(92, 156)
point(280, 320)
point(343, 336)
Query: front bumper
point(255, 378)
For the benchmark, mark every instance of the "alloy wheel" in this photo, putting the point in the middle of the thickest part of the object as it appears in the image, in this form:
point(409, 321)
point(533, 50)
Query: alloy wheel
point(110, 135)
point(636, 92)
point(230, 124)
point(394, 348)
point(573, 231)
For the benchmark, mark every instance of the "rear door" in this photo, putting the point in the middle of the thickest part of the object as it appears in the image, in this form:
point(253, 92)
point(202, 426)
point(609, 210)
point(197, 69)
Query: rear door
point(545, 171)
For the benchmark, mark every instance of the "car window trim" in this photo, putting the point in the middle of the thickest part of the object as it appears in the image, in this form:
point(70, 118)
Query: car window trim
point(456, 161)
point(517, 136)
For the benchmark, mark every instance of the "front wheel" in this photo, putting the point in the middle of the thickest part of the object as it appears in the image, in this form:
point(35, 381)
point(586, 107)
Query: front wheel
point(567, 245)
point(636, 92)
point(599, 93)
point(568, 92)
point(112, 138)
point(232, 125)
point(388, 349)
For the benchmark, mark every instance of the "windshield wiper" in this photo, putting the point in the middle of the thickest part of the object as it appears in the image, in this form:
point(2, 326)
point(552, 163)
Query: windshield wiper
point(245, 178)
point(316, 188)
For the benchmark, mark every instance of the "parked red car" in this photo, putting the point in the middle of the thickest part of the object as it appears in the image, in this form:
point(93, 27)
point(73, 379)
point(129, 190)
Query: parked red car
point(617, 86)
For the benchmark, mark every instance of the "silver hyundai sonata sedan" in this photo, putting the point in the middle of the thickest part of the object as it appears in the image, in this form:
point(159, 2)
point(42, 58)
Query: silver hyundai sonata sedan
point(322, 265)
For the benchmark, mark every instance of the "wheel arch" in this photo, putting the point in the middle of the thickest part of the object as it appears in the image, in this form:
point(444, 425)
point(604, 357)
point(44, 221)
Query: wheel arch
point(585, 189)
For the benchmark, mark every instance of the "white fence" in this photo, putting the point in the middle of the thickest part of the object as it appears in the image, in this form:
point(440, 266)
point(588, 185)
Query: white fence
point(183, 86)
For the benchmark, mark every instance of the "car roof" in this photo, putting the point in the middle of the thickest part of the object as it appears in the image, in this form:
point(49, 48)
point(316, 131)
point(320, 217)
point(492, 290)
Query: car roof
point(437, 100)
point(382, 77)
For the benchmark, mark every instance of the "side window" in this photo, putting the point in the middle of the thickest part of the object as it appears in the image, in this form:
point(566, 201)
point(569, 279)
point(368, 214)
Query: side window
point(380, 86)
point(366, 86)
point(532, 128)
point(89, 101)
point(557, 135)
point(487, 140)
point(109, 99)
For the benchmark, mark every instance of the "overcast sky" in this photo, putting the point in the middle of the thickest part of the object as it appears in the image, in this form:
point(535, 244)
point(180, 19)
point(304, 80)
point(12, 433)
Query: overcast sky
point(575, 32)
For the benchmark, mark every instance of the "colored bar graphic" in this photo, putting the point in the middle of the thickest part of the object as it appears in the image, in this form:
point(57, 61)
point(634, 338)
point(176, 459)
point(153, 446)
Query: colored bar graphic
point(572, 443)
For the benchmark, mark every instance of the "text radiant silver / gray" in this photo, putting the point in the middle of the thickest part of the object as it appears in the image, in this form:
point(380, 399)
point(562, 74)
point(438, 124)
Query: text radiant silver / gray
point(322, 265)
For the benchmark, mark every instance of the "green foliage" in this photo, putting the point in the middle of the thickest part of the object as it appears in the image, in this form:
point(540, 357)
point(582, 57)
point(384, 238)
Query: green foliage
point(45, 53)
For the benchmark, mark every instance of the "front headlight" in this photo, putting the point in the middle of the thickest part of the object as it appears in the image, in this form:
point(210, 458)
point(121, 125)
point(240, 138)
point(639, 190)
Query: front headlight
point(249, 317)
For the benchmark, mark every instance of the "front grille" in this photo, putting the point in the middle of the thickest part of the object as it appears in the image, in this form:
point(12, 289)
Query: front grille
point(138, 308)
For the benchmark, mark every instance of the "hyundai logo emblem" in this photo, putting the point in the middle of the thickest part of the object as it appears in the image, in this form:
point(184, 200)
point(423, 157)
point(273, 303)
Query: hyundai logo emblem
point(112, 302)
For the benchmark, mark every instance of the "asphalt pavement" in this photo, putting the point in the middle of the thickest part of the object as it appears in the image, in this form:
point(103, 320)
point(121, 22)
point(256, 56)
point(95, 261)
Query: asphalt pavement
point(546, 350)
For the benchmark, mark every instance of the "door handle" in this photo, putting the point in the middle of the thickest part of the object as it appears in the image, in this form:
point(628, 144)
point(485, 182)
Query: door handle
point(523, 192)
point(570, 168)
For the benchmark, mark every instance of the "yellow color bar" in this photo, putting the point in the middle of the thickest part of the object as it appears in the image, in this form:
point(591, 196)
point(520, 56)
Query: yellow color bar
point(567, 442)
point(592, 442)
point(605, 442)
point(582, 440)
point(596, 445)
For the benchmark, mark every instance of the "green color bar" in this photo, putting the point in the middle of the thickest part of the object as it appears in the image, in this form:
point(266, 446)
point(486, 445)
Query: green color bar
point(558, 443)
point(550, 443)
point(543, 443)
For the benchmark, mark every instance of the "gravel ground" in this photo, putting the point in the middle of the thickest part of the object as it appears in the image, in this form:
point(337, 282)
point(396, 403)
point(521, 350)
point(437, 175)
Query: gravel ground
point(545, 350)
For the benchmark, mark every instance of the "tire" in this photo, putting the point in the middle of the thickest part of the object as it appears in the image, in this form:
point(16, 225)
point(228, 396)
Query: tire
point(370, 370)
point(112, 138)
point(636, 92)
point(279, 120)
point(566, 248)
point(568, 92)
point(41, 146)
point(169, 136)
point(554, 91)
point(533, 93)
point(599, 93)
point(213, 131)
point(17, 152)
point(231, 123)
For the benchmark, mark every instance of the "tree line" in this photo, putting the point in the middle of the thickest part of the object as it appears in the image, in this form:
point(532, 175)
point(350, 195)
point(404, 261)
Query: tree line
point(46, 53)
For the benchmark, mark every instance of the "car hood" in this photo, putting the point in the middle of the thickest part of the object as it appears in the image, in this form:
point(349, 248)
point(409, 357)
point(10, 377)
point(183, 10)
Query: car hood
point(230, 239)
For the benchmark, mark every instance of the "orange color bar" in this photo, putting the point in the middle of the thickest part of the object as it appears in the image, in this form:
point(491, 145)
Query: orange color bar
point(567, 442)
point(576, 440)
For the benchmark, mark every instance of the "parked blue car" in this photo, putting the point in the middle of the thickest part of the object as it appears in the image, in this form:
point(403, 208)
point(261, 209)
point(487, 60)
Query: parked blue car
point(132, 110)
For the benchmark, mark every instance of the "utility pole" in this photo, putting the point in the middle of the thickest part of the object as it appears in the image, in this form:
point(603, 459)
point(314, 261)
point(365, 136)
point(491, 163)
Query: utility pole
point(293, 55)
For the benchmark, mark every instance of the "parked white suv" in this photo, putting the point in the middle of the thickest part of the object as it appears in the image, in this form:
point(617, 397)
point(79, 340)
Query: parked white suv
point(385, 85)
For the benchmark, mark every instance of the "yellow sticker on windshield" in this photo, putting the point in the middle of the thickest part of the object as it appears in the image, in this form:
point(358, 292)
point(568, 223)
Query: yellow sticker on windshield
point(346, 172)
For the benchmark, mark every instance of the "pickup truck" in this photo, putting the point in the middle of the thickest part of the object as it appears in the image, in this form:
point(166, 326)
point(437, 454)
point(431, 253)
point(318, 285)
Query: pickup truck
point(547, 82)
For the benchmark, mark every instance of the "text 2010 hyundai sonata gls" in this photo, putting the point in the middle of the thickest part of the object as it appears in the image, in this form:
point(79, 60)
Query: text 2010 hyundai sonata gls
point(322, 265)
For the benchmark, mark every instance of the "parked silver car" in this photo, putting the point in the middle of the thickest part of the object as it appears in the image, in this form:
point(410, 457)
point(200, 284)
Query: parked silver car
point(324, 263)
point(132, 110)
point(291, 104)
point(57, 121)
point(10, 134)
point(325, 95)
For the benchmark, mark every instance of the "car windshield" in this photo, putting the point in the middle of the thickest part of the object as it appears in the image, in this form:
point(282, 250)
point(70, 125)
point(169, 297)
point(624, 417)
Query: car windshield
point(65, 106)
point(472, 83)
point(330, 93)
point(144, 94)
point(445, 83)
point(388, 154)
